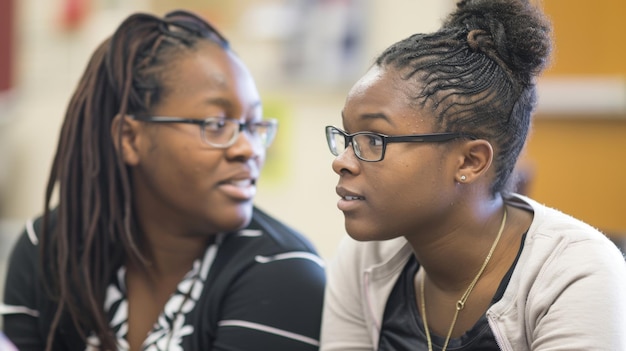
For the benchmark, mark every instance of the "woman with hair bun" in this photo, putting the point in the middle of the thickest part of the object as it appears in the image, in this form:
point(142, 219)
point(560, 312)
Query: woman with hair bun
point(443, 255)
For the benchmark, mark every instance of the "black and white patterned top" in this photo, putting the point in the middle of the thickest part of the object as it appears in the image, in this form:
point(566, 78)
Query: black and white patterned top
point(257, 289)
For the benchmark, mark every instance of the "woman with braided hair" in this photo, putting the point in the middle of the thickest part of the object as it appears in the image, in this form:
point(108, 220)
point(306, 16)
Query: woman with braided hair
point(155, 243)
point(442, 254)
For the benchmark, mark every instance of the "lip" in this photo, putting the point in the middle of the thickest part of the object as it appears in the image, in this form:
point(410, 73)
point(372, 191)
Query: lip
point(240, 186)
point(349, 200)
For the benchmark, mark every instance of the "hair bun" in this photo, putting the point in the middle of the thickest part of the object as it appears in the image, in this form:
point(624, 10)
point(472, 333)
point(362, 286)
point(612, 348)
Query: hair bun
point(514, 30)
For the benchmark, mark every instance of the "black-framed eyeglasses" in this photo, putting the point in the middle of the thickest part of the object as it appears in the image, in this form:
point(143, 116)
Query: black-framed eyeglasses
point(223, 132)
point(194, 24)
point(370, 147)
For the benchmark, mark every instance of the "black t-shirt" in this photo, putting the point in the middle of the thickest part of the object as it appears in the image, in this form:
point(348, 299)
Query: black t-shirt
point(403, 328)
point(257, 289)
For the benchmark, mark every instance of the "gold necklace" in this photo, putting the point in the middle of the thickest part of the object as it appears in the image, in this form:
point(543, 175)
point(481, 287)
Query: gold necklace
point(460, 304)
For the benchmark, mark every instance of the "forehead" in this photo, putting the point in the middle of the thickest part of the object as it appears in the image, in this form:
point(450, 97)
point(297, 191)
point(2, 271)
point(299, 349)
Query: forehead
point(384, 92)
point(208, 69)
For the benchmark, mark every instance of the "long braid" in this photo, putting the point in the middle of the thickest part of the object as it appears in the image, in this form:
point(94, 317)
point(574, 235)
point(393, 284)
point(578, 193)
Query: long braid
point(477, 73)
point(95, 231)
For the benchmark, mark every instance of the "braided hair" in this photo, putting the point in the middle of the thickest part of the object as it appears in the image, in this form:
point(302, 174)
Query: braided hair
point(95, 230)
point(478, 73)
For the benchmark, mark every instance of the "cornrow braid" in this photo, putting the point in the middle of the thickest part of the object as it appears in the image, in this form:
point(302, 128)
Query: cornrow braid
point(478, 73)
point(95, 230)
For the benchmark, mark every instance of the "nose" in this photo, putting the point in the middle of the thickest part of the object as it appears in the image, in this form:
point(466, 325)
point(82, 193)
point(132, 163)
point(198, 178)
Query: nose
point(346, 162)
point(246, 146)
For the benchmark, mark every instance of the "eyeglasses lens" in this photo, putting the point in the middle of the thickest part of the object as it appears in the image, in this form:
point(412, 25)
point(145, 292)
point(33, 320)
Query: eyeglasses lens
point(223, 133)
point(336, 141)
point(368, 147)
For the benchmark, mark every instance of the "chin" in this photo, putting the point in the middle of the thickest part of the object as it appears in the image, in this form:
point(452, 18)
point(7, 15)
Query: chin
point(235, 219)
point(360, 231)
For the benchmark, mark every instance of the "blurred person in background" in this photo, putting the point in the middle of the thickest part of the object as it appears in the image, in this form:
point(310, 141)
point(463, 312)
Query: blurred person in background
point(155, 243)
point(444, 256)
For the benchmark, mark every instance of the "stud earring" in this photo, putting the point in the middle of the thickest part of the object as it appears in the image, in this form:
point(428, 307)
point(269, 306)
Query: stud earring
point(463, 178)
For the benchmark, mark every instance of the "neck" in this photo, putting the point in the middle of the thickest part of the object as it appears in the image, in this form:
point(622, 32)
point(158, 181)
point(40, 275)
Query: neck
point(453, 254)
point(170, 240)
point(168, 251)
point(171, 256)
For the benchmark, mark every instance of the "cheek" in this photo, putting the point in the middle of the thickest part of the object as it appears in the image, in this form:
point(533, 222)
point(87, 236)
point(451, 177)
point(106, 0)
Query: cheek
point(186, 168)
point(198, 168)
point(397, 196)
point(411, 190)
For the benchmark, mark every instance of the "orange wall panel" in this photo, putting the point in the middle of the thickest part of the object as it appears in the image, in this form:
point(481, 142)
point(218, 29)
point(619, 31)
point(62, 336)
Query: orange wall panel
point(589, 36)
point(580, 168)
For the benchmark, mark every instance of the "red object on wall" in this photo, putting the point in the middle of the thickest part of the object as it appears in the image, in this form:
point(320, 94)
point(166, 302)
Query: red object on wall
point(73, 13)
point(6, 45)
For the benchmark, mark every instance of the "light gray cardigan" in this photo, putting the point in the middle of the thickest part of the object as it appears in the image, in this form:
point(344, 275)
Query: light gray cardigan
point(567, 291)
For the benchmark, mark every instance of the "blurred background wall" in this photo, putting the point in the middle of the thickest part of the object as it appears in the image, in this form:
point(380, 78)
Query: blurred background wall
point(305, 54)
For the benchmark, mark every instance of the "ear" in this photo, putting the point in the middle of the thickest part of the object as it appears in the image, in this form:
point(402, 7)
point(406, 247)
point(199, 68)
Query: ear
point(476, 158)
point(124, 132)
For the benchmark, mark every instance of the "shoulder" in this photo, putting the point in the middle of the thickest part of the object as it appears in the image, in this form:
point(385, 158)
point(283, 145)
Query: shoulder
point(365, 255)
point(278, 233)
point(33, 228)
point(266, 246)
point(23, 284)
point(552, 225)
point(267, 284)
point(560, 250)
point(563, 265)
point(25, 252)
point(376, 261)
point(24, 276)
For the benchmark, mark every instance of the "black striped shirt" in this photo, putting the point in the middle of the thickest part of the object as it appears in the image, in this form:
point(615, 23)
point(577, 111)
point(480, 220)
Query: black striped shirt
point(257, 289)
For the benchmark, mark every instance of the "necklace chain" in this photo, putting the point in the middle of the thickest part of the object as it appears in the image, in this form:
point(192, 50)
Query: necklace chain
point(460, 304)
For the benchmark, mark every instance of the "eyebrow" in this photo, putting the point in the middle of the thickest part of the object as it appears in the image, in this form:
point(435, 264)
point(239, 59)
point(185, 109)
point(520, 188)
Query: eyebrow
point(226, 103)
point(366, 116)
